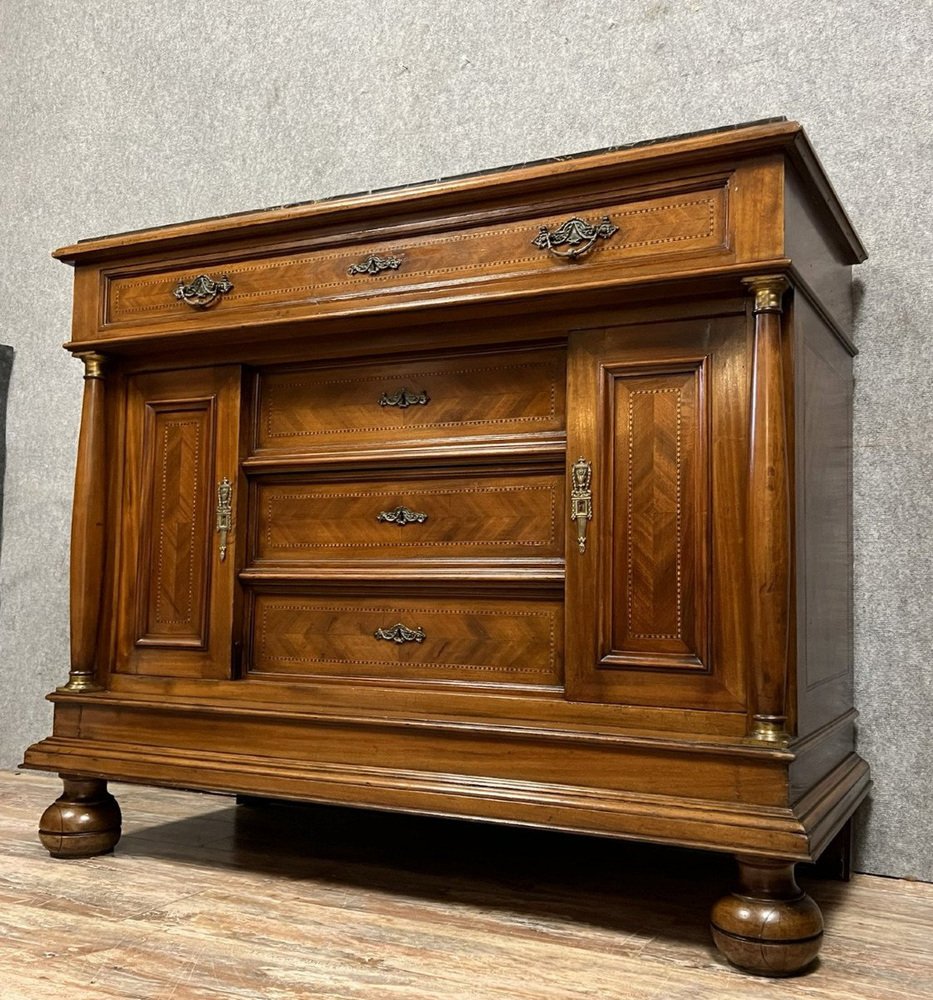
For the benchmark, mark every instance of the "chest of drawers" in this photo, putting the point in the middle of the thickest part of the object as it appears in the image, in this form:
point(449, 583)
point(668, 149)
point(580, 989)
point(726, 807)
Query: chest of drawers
point(519, 497)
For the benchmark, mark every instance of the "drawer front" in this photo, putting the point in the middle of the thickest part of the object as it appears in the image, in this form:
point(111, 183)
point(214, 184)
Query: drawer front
point(679, 220)
point(519, 516)
point(472, 641)
point(518, 392)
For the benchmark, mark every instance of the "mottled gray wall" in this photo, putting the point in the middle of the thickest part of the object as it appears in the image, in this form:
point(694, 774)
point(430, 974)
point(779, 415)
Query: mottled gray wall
point(117, 114)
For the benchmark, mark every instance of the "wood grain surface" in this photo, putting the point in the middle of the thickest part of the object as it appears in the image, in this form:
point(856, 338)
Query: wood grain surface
point(198, 903)
point(686, 217)
point(267, 625)
point(493, 516)
point(305, 411)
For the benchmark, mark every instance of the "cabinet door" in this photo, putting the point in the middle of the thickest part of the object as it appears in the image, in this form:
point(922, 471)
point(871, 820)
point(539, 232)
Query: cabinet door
point(659, 412)
point(176, 591)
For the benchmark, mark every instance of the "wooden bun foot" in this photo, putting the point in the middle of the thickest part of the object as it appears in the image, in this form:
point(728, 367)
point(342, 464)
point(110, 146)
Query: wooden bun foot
point(769, 926)
point(84, 821)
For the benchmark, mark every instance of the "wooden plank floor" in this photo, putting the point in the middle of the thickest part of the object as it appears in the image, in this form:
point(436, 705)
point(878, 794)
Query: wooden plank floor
point(206, 899)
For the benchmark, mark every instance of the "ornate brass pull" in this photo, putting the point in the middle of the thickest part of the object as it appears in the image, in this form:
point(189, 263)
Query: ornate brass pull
point(374, 264)
point(202, 291)
point(405, 398)
point(581, 498)
point(399, 633)
point(577, 234)
point(224, 513)
point(402, 516)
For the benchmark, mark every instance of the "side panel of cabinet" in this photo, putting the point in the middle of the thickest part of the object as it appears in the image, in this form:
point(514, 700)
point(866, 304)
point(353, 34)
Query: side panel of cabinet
point(176, 593)
point(661, 413)
point(823, 392)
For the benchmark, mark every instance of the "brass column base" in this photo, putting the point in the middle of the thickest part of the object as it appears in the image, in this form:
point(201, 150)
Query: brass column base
point(80, 683)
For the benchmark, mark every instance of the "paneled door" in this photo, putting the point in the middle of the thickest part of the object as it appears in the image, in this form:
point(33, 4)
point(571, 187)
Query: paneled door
point(656, 456)
point(180, 498)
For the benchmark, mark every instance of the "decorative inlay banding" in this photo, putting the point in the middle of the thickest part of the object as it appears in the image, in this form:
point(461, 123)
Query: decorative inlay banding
point(551, 491)
point(548, 617)
point(479, 370)
point(348, 256)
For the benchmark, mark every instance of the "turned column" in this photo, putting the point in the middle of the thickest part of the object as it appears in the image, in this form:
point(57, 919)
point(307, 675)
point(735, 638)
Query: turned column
point(768, 535)
point(85, 820)
point(769, 925)
point(87, 530)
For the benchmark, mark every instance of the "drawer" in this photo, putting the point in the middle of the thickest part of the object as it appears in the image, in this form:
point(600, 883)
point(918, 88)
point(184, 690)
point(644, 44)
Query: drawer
point(409, 639)
point(686, 218)
point(463, 517)
point(519, 392)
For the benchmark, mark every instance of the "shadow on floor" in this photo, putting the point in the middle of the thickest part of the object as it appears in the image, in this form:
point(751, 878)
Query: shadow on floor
point(624, 887)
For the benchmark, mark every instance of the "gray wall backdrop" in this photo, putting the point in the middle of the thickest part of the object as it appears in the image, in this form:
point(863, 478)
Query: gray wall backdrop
point(117, 114)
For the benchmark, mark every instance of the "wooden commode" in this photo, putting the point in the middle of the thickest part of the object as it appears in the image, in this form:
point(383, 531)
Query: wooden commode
point(522, 496)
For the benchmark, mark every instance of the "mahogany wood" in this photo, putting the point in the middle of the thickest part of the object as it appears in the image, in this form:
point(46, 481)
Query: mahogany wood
point(397, 611)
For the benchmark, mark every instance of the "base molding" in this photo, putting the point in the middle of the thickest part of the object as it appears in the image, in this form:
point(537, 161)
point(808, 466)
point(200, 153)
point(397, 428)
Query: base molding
point(763, 830)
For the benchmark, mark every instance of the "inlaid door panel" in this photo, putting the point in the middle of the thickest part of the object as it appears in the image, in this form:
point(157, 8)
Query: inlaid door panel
point(176, 532)
point(659, 593)
point(505, 393)
point(513, 642)
point(416, 517)
point(176, 594)
point(659, 581)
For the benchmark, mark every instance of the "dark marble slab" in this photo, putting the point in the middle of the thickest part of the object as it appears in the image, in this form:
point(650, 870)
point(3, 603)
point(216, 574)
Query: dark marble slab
point(473, 173)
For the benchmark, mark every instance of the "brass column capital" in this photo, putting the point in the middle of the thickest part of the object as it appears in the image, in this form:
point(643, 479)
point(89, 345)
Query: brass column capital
point(93, 364)
point(768, 290)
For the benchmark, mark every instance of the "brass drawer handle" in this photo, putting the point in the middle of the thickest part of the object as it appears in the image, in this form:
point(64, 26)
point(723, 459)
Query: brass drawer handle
point(399, 633)
point(224, 513)
point(581, 498)
point(202, 291)
point(405, 398)
point(577, 234)
point(374, 264)
point(401, 516)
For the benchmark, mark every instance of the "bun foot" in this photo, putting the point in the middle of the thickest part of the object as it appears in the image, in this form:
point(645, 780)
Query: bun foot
point(84, 821)
point(769, 926)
